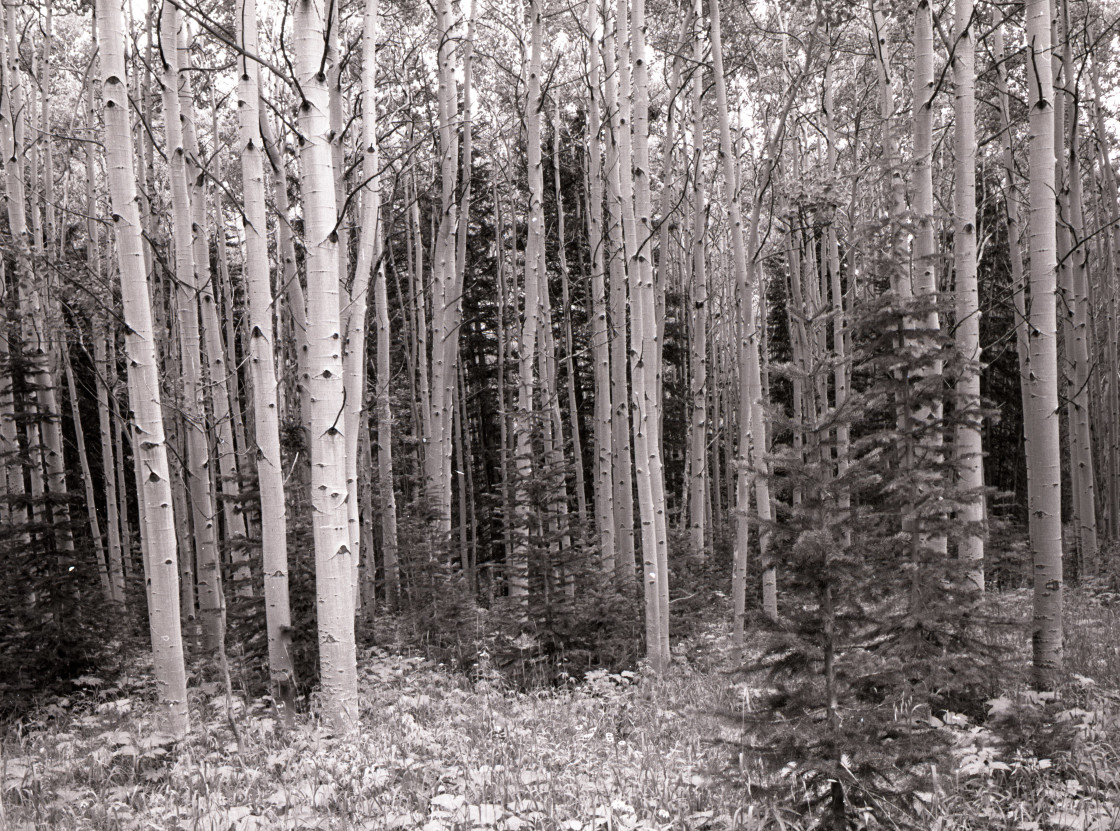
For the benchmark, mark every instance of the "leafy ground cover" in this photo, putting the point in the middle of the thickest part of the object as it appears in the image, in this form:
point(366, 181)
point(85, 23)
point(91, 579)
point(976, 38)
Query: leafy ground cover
point(439, 750)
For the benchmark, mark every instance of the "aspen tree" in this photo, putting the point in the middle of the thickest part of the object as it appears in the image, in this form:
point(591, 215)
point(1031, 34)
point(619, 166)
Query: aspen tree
point(16, 487)
point(289, 287)
point(1111, 199)
point(217, 389)
point(617, 171)
point(1073, 287)
point(333, 558)
point(211, 606)
point(147, 416)
point(967, 441)
point(357, 300)
point(42, 346)
point(262, 367)
point(645, 367)
point(534, 262)
point(1041, 417)
point(1012, 208)
point(927, 414)
point(569, 348)
point(605, 521)
point(698, 295)
point(446, 291)
point(381, 322)
point(118, 562)
point(751, 427)
point(840, 373)
point(389, 542)
point(110, 582)
point(12, 132)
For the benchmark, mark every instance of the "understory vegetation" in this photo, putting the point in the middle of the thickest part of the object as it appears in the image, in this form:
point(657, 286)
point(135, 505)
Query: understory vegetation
point(701, 746)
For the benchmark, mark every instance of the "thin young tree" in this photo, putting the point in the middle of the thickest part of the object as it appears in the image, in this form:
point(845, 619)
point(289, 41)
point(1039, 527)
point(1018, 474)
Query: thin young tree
point(968, 446)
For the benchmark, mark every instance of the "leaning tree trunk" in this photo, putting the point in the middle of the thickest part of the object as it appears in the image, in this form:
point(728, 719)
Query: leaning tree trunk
point(150, 448)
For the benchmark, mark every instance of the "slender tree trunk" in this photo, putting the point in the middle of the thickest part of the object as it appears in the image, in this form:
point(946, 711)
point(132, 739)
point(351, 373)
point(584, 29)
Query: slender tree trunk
point(926, 416)
point(645, 368)
point(1041, 418)
point(967, 442)
point(446, 293)
point(334, 572)
point(698, 295)
point(1072, 255)
point(151, 450)
point(534, 261)
point(118, 563)
point(617, 172)
point(225, 450)
point(605, 520)
point(194, 418)
point(111, 581)
point(569, 360)
point(262, 369)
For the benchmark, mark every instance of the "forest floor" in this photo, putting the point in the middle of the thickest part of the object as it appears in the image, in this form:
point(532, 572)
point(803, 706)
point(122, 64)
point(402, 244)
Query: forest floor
point(439, 751)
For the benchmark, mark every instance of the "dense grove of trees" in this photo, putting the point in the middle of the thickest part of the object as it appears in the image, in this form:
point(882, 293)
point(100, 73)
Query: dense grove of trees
point(521, 321)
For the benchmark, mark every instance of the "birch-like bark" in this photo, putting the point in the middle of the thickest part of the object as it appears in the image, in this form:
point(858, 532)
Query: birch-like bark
point(147, 414)
point(1013, 207)
point(1041, 419)
point(645, 369)
point(446, 291)
point(1073, 256)
point(927, 415)
point(334, 572)
point(698, 296)
point(112, 581)
point(197, 471)
point(262, 369)
point(840, 374)
point(118, 563)
point(617, 172)
point(569, 354)
point(356, 310)
point(605, 521)
point(968, 445)
point(739, 262)
point(534, 261)
point(216, 364)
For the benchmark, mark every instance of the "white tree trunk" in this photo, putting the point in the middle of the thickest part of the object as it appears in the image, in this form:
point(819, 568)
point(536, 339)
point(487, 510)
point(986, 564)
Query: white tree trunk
point(197, 471)
point(262, 368)
point(150, 448)
point(1044, 494)
point(967, 442)
point(605, 521)
point(334, 572)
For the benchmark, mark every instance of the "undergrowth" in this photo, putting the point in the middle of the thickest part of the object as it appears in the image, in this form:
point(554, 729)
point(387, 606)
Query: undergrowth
point(441, 750)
